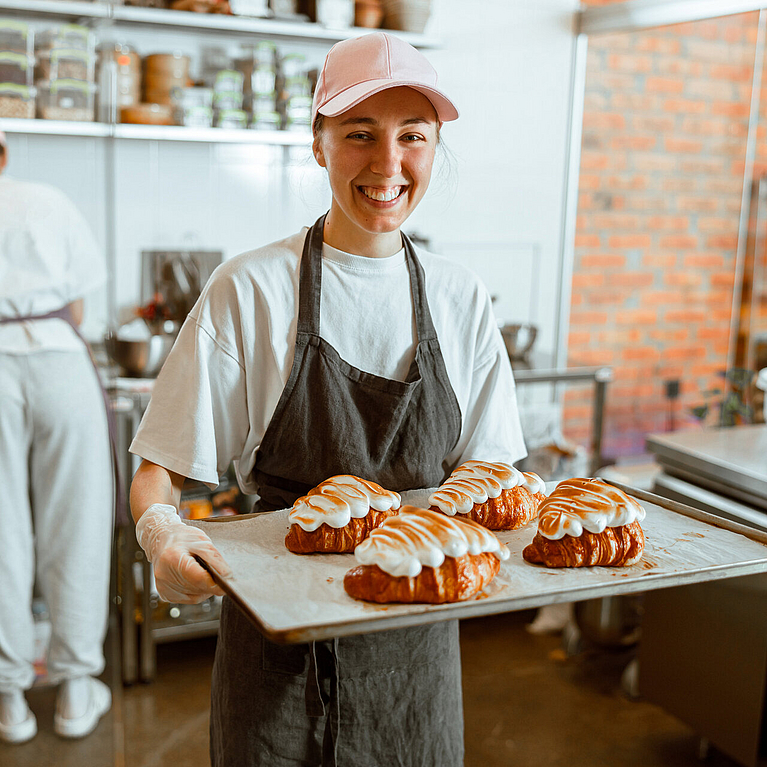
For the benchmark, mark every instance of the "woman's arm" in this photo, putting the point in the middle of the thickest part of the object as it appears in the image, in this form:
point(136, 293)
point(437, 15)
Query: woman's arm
point(169, 544)
point(154, 484)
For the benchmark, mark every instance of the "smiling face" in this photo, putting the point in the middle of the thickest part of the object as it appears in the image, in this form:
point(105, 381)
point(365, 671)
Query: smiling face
point(378, 155)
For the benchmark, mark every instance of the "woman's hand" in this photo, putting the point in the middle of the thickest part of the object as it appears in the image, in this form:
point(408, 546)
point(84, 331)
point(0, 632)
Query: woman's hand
point(170, 546)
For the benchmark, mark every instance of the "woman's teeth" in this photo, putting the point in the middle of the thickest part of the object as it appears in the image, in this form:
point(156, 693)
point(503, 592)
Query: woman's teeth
point(381, 195)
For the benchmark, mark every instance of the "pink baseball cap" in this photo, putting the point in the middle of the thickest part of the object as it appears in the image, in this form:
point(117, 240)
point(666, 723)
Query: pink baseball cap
point(358, 68)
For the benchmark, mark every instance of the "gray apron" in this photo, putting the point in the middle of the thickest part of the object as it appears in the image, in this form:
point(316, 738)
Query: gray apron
point(387, 699)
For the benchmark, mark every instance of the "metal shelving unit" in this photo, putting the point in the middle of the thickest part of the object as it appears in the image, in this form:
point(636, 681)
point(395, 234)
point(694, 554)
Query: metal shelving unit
point(154, 132)
point(102, 12)
point(278, 29)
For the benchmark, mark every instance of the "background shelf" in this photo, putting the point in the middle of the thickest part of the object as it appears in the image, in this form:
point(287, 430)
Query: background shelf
point(278, 29)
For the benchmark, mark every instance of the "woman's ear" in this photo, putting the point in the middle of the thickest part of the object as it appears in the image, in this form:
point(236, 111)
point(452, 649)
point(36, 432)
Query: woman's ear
point(319, 155)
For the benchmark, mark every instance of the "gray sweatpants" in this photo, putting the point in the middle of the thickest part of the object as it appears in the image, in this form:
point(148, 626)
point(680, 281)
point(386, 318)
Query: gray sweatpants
point(55, 513)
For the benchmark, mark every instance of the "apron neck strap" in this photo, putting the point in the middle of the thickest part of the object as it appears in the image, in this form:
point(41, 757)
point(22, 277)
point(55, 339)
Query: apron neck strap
point(310, 285)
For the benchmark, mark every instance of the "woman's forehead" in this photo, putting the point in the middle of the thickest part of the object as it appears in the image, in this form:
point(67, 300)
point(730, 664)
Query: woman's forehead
point(400, 105)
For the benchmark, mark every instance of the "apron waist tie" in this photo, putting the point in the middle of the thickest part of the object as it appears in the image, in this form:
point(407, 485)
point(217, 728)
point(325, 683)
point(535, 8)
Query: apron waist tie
point(64, 313)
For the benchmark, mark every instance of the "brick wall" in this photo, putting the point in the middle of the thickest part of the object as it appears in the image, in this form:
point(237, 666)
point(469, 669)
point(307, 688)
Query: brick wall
point(663, 152)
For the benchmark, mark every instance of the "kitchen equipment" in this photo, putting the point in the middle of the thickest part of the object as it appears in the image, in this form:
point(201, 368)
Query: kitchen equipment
point(139, 358)
point(706, 645)
point(519, 339)
point(175, 278)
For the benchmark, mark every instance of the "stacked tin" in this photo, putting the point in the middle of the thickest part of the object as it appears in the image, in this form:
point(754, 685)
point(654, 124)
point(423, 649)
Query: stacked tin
point(65, 73)
point(17, 92)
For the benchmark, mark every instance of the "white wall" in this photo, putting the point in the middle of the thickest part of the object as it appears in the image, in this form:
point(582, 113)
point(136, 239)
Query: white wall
point(508, 68)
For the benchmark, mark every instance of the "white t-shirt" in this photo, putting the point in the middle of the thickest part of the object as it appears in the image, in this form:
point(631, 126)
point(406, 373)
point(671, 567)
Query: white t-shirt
point(216, 393)
point(48, 258)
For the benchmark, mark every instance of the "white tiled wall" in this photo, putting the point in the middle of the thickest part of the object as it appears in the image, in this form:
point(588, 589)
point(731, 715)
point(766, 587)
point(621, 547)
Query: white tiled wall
point(507, 65)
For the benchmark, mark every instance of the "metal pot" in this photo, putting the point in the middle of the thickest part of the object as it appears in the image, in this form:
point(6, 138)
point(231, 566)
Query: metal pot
point(140, 359)
point(519, 339)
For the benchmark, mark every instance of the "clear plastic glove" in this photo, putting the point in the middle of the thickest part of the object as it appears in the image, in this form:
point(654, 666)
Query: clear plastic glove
point(169, 545)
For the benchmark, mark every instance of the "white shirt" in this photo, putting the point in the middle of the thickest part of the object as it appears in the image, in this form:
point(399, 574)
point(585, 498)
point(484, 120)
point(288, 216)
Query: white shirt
point(48, 258)
point(216, 393)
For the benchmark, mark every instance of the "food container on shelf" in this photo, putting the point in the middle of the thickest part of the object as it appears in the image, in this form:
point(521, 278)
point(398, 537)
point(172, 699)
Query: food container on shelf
point(298, 107)
point(174, 65)
point(16, 37)
point(66, 64)
point(228, 80)
point(368, 13)
point(335, 14)
point(299, 124)
point(255, 8)
point(297, 86)
point(66, 100)
point(17, 101)
point(147, 114)
point(16, 68)
point(293, 65)
point(162, 96)
point(284, 7)
point(264, 103)
point(226, 100)
point(195, 97)
point(194, 116)
point(232, 118)
point(266, 121)
point(66, 36)
point(119, 80)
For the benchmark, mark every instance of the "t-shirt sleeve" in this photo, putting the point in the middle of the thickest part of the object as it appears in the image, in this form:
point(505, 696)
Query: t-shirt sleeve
point(85, 259)
point(197, 420)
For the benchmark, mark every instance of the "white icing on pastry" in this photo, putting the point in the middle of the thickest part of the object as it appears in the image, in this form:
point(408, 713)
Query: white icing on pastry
point(476, 481)
point(582, 504)
point(419, 537)
point(534, 483)
point(336, 500)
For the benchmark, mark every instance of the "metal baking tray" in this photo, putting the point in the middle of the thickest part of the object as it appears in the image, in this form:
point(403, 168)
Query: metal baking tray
point(300, 598)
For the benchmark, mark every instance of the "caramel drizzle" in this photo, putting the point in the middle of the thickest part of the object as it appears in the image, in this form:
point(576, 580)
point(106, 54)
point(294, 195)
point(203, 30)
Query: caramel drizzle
point(417, 537)
point(476, 481)
point(336, 500)
point(581, 503)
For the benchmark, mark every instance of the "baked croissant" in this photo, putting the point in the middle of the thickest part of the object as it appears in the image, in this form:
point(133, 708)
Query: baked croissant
point(423, 556)
point(338, 514)
point(496, 495)
point(586, 522)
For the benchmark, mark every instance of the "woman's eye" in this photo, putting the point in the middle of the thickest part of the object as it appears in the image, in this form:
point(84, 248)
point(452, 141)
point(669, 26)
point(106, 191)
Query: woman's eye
point(359, 135)
point(411, 137)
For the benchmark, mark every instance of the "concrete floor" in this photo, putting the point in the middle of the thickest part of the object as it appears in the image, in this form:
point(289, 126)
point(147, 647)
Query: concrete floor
point(526, 704)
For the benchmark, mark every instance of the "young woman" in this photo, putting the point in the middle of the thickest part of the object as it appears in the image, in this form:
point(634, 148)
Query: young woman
point(337, 350)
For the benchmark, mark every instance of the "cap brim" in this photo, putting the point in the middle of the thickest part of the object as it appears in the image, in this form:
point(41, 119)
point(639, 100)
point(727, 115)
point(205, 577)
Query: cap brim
point(446, 110)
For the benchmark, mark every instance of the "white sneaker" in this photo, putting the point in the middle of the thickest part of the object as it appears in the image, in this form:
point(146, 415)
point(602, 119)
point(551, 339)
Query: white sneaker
point(17, 722)
point(80, 704)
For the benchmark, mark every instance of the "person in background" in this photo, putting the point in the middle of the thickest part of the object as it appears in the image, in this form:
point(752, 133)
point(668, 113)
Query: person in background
point(56, 489)
point(339, 350)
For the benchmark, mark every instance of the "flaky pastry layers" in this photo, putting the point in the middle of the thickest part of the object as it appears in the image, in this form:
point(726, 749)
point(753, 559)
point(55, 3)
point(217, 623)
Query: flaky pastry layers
point(424, 556)
point(586, 522)
point(456, 579)
point(613, 547)
point(341, 540)
point(496, 495)
point(338, 514)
